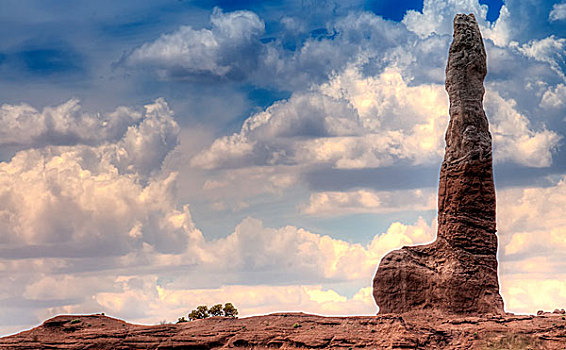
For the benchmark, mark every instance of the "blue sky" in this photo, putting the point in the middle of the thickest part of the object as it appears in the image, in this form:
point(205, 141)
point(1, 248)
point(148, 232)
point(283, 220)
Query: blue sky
point(157, 155)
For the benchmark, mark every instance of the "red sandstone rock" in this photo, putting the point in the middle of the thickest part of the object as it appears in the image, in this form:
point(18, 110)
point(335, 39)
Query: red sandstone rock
point(457, 273)
point(408, 331)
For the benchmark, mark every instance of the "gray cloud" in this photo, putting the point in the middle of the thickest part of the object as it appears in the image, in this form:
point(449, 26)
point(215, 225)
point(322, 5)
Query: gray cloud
point(23, 126)
point(229, 49)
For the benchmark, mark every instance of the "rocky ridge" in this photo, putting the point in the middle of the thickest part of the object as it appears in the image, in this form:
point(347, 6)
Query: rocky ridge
point(457, 273)
point(299, 331)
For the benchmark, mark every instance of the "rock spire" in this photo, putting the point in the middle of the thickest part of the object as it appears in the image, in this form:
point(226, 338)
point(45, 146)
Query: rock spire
point(457, 273)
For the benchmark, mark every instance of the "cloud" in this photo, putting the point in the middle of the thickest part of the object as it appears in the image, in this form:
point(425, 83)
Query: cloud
point(143, 148)
point(23, 126)
point(500, 31)
point(549, 50)
point(532, 246)
point(252, 181)
point(554, 98)
point(110, 200)
point(364, 201)
point(513, 137)
point(228, 49)
point(437, 16)
point(234, 48)
point(558, 12)
point(297, 253)
point(536, 210)
point(162, 303)
point(283, 268)
point(359, 122)
point(342, 42)
point(351, 122)
point(524, 294)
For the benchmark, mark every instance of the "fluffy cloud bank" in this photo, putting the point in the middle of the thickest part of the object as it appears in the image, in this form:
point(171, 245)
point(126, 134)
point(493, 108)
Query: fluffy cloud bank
point(437, 16)
point(154, 254)
point(357, 122)
point(282, 268)
point(233, 48)
point(531, 255)
point(228, 49)
point(92, 200)
point(24, 126)
point(532, 246)
point(122, 218)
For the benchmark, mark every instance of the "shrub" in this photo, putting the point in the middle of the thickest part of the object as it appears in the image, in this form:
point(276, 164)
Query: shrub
point(199, 313)
point(202, 311)
point(216, 310)
point(230, 310)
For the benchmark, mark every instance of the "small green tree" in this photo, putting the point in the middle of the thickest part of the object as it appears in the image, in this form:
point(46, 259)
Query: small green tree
point(230, 310)
point(202, 311)
point(215, 310)
point(199, 313)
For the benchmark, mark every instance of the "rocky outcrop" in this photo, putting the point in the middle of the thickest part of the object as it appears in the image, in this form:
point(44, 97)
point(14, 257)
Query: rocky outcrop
point(298, 331)
point(457, 273)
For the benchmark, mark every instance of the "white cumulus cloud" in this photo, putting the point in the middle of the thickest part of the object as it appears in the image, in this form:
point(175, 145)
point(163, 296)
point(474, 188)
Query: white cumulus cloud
point(532, 246)
point(23, 126)
point(94, 200)
point(554, 97)
point(358, 122)
point(550, 50)
point(513, 137)
point(437, 16)
point(558, 12)
point(228, 48)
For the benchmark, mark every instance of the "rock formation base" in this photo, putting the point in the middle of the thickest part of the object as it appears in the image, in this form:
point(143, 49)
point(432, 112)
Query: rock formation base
point(298, 331)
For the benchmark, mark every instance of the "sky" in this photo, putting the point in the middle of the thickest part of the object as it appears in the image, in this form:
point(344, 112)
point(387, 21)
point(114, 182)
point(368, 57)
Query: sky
point(159, 155)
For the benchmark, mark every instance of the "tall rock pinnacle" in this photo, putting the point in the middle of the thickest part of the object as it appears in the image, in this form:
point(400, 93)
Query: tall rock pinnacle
point(457, 273)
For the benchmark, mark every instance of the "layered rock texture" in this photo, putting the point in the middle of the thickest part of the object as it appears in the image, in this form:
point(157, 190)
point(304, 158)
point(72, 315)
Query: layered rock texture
point(298, 331)
point(457, 273)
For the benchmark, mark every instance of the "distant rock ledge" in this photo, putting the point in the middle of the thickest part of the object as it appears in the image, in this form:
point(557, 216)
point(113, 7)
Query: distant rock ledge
point(300, 331)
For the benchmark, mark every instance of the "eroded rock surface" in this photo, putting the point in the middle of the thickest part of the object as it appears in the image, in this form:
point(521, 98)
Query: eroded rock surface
point(298, 331)
point(457, 273)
